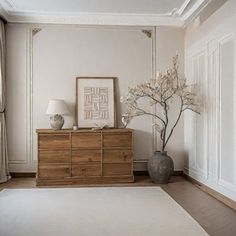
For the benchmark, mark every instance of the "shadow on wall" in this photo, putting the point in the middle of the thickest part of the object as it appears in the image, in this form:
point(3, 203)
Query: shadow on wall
point(118, 104)
point(141, 145)
point(186, 160)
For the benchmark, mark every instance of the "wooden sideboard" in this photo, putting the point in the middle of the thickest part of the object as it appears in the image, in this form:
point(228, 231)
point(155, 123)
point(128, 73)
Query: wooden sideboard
point(84, 156)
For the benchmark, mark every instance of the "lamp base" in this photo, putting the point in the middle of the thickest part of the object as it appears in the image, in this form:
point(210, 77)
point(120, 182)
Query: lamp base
point(56, 121)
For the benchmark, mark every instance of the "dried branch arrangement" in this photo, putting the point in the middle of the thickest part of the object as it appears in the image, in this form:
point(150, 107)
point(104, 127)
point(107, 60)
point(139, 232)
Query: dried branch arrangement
point(161, 92)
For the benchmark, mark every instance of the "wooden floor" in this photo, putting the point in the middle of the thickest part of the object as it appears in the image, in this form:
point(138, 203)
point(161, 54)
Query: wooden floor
point(215, 217)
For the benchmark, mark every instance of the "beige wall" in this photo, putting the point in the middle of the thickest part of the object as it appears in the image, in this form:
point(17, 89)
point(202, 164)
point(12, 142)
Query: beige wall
point(44, 66)
point(210, 60)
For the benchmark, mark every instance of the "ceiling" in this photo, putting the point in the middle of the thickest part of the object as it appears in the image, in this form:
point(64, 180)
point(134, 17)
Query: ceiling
point(103, 12)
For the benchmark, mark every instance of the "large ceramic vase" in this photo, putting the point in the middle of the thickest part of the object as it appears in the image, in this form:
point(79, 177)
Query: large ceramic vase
point(160, 167)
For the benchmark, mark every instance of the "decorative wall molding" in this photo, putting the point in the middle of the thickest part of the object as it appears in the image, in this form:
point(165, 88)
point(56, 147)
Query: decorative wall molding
point(35, 31)
point(194, 11)
point(96, 19)
point(181, 10)
point(154, 71)
point(213, 120)
point(29, 83)
point(176, 17)
point(18, 162)
point(199, 76)
point(31, 31)
point(148, 33)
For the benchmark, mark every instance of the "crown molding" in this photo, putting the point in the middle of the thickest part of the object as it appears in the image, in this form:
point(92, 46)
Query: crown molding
point(177, 17)
point(181, 10)
point(93, 19)
point(195, 10)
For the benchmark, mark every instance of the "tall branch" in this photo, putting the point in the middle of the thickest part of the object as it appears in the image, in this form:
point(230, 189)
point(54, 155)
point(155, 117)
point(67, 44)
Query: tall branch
point(176, 122)
point(151, 114)
point(165, 127)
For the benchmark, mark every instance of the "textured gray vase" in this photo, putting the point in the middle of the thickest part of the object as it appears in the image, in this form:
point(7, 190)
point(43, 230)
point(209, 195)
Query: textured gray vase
point(160, 167)
point(56, 121)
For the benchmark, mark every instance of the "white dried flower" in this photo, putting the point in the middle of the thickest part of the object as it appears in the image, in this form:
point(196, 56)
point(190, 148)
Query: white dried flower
point(161, 90)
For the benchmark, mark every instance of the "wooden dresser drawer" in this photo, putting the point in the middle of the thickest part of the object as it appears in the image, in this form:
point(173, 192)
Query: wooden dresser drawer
point(54, 156)
point(117, 156)
point(117, 140)
point(54, 171)
point(111, 169)
point(86, 156)
point(92, 140)
point(53, 141)
point(90, 169)
point(83, 156)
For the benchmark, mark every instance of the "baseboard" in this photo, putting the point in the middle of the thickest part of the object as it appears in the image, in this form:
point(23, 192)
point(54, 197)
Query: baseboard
point(23, 174)
point(227, 201)
point(178, 173)
point(141, 173)
point(33, 175)
point(145, 172)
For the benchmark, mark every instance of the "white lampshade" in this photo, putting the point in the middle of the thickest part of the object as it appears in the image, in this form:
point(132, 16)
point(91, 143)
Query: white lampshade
point(57, 106)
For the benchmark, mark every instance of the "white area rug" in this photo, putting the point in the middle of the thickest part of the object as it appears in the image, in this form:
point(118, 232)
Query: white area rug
point(113, 211)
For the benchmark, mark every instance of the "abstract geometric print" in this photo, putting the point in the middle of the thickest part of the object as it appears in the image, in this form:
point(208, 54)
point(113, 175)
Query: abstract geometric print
point(96, 103)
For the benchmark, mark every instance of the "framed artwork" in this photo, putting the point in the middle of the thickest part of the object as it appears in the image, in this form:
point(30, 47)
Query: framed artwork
point(95, 102)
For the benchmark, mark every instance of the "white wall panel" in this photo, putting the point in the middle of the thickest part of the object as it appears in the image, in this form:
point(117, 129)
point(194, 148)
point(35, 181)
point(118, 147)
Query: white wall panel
point(227, 93)
point(196, 131)
point(212, 108)
point(201, 128)
point(216, 36)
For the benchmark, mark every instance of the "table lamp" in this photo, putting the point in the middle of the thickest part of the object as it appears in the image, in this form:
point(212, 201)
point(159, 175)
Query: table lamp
point(57, 108)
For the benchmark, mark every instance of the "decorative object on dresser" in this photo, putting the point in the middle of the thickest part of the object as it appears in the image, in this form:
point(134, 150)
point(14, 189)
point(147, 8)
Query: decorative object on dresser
point(57, 108)
point(161, 93)
point(95, 102)
point(84, 156)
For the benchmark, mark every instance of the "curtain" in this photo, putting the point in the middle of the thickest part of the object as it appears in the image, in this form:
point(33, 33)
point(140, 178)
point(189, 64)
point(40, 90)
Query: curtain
point(4, 173)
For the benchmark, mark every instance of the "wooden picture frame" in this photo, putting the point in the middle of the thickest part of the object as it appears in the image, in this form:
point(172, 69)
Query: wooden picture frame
point(95, 102)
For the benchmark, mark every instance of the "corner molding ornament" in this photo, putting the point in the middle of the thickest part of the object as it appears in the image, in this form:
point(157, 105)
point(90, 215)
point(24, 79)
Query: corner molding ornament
point(148, 33)
point(35, 31)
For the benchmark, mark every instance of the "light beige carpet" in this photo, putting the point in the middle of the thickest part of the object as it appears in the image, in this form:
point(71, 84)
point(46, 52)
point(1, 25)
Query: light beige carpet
point(112, 211)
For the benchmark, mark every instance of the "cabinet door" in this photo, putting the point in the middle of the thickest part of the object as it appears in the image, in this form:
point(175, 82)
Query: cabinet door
point(54, 171)
point(86, 140)
point(117, 140)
